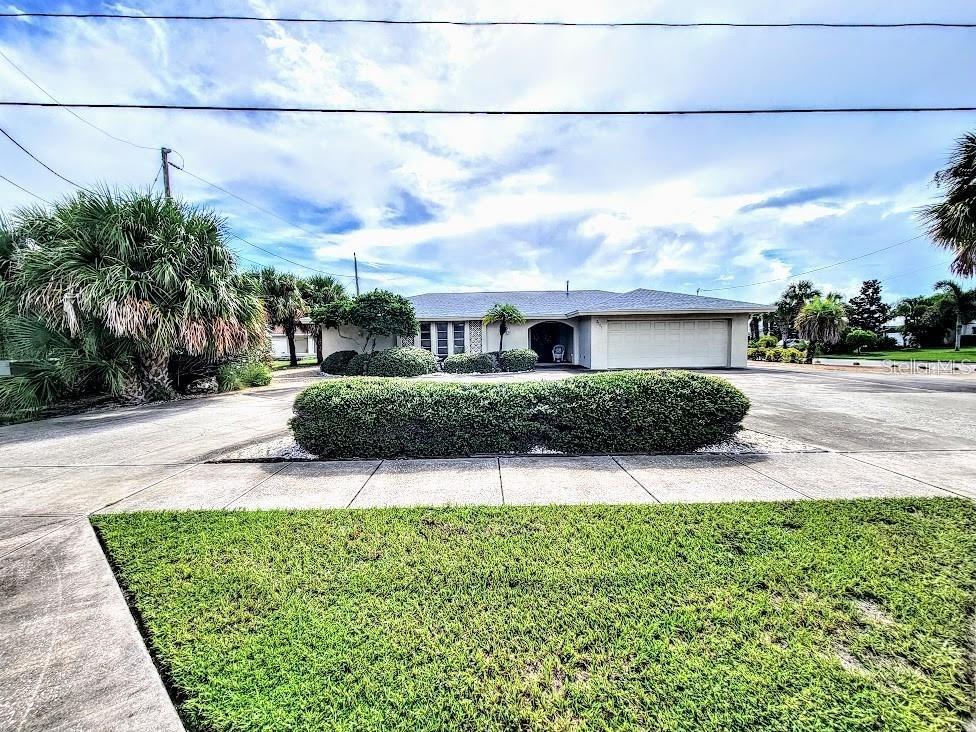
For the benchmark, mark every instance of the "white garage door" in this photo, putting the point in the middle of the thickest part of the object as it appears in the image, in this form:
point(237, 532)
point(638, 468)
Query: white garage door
point(656, 343)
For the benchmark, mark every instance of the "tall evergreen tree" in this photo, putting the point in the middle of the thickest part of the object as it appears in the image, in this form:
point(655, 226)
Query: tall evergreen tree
point(867, 311)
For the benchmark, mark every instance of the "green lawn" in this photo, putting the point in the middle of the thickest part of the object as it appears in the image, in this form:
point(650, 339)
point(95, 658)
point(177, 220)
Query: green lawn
point(801, 616)
point(307, 361)
point(920, 354)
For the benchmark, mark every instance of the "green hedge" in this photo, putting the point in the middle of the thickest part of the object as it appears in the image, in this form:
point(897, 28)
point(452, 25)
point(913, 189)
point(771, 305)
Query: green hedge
point(337, 363)
point(778, 355)
point(519, 359)
point(402, 361)
point(470, 363)
point(625, 411)
point(357, 364)
point(241, 376)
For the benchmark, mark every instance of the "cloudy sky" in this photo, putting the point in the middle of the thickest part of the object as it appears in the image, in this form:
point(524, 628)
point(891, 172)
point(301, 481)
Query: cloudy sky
point(442, 203)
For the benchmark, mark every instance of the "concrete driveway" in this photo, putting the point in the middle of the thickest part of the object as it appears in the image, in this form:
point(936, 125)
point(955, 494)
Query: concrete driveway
point(72, 658)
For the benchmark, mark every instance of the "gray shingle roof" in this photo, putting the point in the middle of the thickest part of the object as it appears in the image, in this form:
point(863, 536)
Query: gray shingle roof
point(556, 303)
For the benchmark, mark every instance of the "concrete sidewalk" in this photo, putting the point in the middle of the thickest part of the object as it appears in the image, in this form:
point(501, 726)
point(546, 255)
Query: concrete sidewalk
point(71, 656)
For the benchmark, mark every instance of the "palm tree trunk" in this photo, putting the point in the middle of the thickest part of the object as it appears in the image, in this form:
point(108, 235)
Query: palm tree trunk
point(958, 329)
point(502, 327)
point(148, 381)
point(811, 349)
point(292, 356)
point(317, 335)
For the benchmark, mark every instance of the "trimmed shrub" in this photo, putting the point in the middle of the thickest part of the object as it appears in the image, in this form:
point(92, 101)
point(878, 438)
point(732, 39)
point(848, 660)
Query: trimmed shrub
point(336, 363)
point(767, 341)
point(519, 359)
point(470, 363)
point(243, 375)
point(357, 364)
point(402, 361)
point(624, 411)
point(779, 355)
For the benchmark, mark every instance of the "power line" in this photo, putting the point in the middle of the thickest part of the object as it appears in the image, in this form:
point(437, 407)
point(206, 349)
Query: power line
point(241, 199)
point(43, 164)
point(815, 269)
point(286, 259)
point(484, 23)
point(496, 112)
point(30, 193)
point(160, 170)
point(267, 211)
point(70, 111)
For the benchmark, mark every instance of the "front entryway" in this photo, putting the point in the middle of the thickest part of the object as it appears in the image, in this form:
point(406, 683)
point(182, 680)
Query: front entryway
point(552, 341)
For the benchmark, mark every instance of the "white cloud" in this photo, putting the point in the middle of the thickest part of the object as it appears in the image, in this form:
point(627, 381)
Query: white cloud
point(518, 201)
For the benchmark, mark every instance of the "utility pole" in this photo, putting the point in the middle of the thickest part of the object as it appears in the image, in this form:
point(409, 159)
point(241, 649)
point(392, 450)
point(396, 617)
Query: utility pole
point(165, 151)
point(355, 266)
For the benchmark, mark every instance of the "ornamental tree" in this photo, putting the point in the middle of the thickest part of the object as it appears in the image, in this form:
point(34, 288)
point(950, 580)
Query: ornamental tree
point(377, 314)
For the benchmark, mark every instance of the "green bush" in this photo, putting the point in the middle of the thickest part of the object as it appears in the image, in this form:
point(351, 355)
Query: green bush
point(519, 359)
point(402, 361)
point(357, 364)
point(857, 339)
point(338, 362)
point(625, 411)
point(777, 355)
point(470, 363)
point(767, 341)
point(243, 375)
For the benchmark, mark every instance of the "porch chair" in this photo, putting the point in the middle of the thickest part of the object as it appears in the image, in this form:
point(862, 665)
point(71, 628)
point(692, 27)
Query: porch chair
point(558, 351)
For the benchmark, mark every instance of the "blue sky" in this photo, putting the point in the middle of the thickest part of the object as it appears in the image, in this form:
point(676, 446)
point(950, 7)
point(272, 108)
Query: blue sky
point(438, 203)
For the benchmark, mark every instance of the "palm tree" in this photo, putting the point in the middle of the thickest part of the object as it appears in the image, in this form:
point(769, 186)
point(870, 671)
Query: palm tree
point(102, 289)
point(284, 305)
point(789, 304)
point(319, 291)
point(962, 302)
point(952, 221)
point(821, 320)
point(504, 314)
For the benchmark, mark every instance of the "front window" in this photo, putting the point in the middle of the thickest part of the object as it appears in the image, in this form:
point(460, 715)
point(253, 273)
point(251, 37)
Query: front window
point(459, 338)
point(441, 340)
point(425, 335)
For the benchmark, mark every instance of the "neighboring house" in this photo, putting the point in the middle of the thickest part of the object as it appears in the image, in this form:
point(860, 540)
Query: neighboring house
point(893, 329)
point(304, 345)
point(596, 328)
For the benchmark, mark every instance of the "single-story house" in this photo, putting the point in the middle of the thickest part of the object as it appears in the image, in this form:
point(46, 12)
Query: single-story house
point(597, 329)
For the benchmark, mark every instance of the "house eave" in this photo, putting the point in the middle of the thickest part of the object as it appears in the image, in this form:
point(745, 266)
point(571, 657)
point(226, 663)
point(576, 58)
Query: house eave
point(679, 311)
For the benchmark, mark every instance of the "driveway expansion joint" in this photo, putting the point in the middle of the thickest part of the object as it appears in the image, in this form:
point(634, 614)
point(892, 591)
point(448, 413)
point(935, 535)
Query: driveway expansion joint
point(365, 483)
point(632, 477)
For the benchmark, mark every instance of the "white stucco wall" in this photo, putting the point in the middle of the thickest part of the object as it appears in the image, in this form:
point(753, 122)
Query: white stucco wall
point(348, 338)
point(583, 342)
